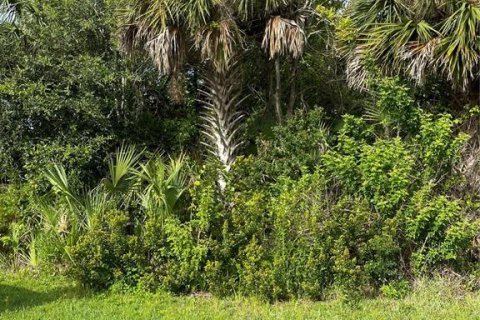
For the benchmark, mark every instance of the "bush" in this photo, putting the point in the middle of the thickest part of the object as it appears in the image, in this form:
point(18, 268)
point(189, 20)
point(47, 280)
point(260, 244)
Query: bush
point(296, 147)
point(365, 215)
point(108, 254)
point(18, 216)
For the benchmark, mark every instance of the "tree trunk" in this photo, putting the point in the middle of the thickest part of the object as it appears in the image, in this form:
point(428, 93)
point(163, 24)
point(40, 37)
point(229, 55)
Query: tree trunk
point(271, 85)
point(293, 89)
point(278, 91)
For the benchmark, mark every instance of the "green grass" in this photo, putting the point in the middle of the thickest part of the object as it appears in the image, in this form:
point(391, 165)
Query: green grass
point(27, 298)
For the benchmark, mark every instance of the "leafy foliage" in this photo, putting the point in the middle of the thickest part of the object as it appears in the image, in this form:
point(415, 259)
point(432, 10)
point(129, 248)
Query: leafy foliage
point(359, 197)
point(419, 38)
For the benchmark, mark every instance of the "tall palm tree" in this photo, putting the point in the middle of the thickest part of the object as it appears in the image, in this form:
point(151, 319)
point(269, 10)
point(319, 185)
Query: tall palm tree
point(169, 28)
point(172, 31)
point(419, 38)
point(284, 35)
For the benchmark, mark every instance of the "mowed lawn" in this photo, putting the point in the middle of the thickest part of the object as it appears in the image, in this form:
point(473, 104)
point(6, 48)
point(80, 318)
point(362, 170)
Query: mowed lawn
point(27, 298)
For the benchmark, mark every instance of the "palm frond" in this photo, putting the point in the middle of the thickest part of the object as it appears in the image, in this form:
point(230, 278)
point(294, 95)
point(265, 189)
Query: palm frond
point(356, 71)
point(420, 57)
point(167, 50)
point(162, 185)
point(197, 12)
point(428, 37)
point(459, 49)
point(96, 204)
point(217, 41)
point(57, 177)
point(368, 12)
point(157, 25)
point(120, 168)
point(283, 37)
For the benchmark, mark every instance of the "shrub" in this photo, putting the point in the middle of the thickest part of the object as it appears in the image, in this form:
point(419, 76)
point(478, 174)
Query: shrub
point(296, 147)
point(364, 216)
point(108, 254)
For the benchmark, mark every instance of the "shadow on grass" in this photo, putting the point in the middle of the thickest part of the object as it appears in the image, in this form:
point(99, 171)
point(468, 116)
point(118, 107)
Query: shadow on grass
point(13, 298)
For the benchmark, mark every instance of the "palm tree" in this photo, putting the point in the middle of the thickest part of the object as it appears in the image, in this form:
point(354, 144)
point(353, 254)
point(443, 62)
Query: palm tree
point(284, 35)
point(418, 38)
point(168, 28)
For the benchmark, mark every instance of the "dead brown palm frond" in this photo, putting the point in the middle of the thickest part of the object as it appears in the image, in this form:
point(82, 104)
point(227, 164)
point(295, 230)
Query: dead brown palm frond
point(130, 37)
point(217, 42)
point(356, 71)
point(137, 26)
point(167, 50)
point(283, 37)
point(155, 24)
point(419, 57)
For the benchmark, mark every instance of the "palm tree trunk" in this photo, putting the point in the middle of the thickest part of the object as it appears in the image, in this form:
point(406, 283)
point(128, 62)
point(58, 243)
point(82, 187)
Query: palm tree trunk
point(293, 89)
point(278, 91)
point(222, 121)
point(271, 85)
point(123, 101)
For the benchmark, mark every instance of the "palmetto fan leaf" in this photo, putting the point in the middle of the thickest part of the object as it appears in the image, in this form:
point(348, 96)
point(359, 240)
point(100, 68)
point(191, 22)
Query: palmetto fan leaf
point(459, 49)
point(197, 12)
point(96, 202)
point(146, 18)
point(432, 36)
point(367, 12)
point(162, 184)
point(406, 46)
point(120, 168)
point(82, 208)
point(57, 177)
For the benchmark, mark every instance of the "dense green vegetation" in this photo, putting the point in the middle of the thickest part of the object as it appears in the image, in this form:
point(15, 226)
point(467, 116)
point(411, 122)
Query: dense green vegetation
point(275, 149)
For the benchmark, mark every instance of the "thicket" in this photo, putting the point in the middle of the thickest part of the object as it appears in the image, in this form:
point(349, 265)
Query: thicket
point(355, 209)
point(104, 178)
